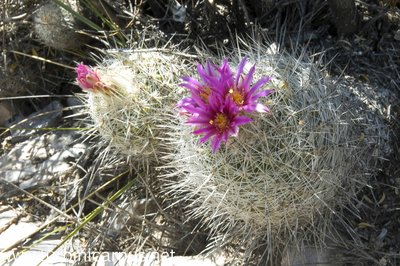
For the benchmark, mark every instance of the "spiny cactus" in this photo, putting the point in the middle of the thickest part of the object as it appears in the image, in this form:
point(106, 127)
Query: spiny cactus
point(129, 97)
point(285, 172)
point(56, 26)
point(288, 170)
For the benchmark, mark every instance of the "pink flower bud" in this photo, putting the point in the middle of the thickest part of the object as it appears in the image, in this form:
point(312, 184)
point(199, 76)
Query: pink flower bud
point(86, 77)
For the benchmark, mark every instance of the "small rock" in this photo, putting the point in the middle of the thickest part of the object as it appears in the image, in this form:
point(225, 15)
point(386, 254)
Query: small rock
point(15, 233)
point(6, 215)
point(311, 256)
point(6, 112)
point(383, 261)
point(41, 159)
point(383, 234)
point(178, 12)
point(40, 154)
point(397, 35)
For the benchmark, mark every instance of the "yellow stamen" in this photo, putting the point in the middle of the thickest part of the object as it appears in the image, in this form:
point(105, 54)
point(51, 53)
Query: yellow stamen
point(221, 122)
point(237, 97)
point(205, 93)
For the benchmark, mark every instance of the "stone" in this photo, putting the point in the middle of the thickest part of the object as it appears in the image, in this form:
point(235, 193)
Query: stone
point(15, 233)
point(311, 256)
point(41, 159)
point(6, 112)
point(397, 35)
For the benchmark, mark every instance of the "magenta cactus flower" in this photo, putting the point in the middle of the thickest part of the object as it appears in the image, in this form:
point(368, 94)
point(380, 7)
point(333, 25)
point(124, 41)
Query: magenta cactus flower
point(220, 119)
point(239, 89)
point(86, 78)
point(218, 101)
point(221, 80)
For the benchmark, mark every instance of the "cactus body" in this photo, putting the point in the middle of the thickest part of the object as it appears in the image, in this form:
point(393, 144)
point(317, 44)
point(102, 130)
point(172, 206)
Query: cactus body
point(135, 98)
point(289, 170)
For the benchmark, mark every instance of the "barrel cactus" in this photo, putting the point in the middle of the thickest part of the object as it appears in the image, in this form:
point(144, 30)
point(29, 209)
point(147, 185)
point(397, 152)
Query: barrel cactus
point(128, 98)
point(287, 170)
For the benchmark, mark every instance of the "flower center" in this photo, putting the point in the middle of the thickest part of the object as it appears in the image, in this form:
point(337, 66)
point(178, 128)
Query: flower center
point(221, 122)
point(91, 79)
point(205, 93)
point(237, 97)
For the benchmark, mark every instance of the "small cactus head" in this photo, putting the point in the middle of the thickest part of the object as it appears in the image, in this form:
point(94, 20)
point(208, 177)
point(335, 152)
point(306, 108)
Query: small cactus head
point(57, 26)
point(128, 97)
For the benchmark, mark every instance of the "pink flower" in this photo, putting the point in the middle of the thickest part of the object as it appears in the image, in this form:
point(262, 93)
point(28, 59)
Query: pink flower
point(219, 120)
point(222, 80)
point(239, 89)
point(86, 78)
point(218, 101)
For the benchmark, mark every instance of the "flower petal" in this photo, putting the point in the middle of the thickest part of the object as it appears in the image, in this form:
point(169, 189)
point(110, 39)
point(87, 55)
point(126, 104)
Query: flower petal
point(204, 130)
point(192, 81)
point(207, 136)
point(86, 77)
point(234, 131)
point(261, 108)
point(241, 120)
point(263, 93)
point(240, 70)
point(210, 68)
point(196, 110)
point(215, 102)
point(185, 101)
point(258, 84)
point(198, 121)
point(198, 100)
point(190, 86)
point(216, 143)
point(231, 107)
point(249, 108)
point(208, 78)
point(248, 78)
